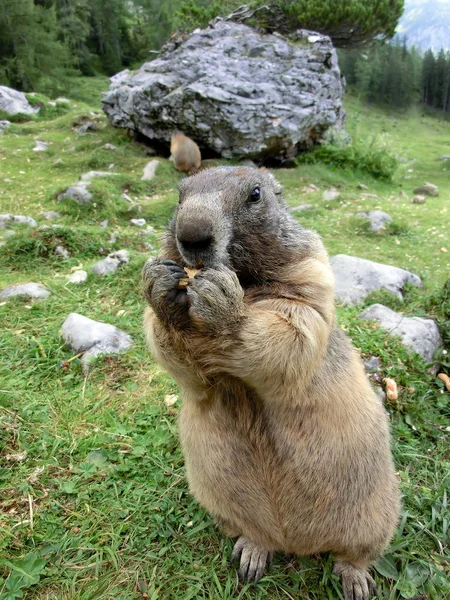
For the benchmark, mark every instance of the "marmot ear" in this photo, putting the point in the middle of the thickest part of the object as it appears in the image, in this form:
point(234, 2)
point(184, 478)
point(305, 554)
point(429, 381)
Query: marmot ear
point(277, 187)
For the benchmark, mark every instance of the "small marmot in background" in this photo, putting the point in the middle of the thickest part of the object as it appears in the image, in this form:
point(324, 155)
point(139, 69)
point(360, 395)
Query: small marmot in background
point(286, 444)
point(185, 153)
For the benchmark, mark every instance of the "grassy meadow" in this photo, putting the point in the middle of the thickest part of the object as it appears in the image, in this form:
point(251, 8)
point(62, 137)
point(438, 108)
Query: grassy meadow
point(93, 498)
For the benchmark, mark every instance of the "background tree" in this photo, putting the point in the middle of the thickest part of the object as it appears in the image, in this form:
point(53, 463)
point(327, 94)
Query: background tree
point(349, 23)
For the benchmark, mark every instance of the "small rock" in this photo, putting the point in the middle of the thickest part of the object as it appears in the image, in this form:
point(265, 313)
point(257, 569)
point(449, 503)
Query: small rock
point(91, 174)
point(31, 290)
point(380, 393)
point(58, 161)
point(82, 334)
point(13, 102)
point(377, 219)
point(302, 207)
point(7, 180)
point(372, 196)
point(114, 237)
point(403, 194)
point(51, 214)
point(331, 194)
point(77, 277)
point(78, 192)
point(445, 157)
point(419, 200)
point(8, 220)
point(361, 186)
point(61, 251)
point(88, 126)
point(428, 189)
point(110, 147)
point(247, 162)
point(149, 229)
point(150, 170)
point(111, 263)
point(420, 335)
point(104, 223)
point(356, 277)
point(4, 124)
point(62, 100)
point(138, 222)
point(127, 197)
point(372, 364)
point(40, 146)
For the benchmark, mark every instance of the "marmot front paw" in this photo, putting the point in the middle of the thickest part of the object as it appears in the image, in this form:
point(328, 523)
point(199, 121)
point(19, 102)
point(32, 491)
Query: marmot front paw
point(216, 299)
point(164, 289)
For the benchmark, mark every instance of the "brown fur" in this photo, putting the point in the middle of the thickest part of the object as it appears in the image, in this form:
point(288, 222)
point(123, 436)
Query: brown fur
point(185, 153)
point(285, 442)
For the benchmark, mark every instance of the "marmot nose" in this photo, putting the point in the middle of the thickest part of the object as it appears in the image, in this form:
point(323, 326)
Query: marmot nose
point(194, 236)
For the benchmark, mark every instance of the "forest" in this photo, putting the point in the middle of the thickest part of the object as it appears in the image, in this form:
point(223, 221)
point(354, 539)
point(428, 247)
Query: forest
point(88, 37)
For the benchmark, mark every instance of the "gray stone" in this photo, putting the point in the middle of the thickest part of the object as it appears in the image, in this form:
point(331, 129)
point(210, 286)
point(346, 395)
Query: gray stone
point(302, 207)
point(331, 194)
point(247, 162)
point(111, 263)
point(92, 174)
point(444, 157)
point(104, 223)
point(150, 170)
point(420, 335)
point(4, 124)
point(419, 200)
point(110, 147)
point(428, 189)
point(356, 278)
point(9, 220)
point(377, 219)
point(77, 277)
point(61, 251)
point(234, 90)
point(40, 146)
point(85, 127)
point(148, 230)
point(31, 290)
point(7, 180)
point(380, 393)
point(78, 192)
point(62, 100)
point(361, 186)
point(14, 102)
point(51, 214)
point(372, 364)
point(82, 334)
point(138, 222)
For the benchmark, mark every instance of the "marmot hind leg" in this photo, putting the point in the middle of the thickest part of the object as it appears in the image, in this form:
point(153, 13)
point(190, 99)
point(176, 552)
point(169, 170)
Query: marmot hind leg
point(357, 584)
point(252, 559)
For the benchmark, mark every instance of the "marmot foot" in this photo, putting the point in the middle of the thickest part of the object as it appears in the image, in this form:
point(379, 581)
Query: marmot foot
point(357, 584)
point(252, 559)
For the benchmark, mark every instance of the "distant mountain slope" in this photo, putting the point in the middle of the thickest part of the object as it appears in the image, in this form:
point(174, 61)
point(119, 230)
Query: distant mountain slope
point(426, 23)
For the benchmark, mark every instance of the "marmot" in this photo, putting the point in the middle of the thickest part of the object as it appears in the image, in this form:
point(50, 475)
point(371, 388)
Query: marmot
point(185, 153)
point(285, 442)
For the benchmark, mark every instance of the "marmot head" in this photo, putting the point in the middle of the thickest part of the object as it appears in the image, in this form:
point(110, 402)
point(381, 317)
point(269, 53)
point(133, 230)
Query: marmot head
point(235, 216)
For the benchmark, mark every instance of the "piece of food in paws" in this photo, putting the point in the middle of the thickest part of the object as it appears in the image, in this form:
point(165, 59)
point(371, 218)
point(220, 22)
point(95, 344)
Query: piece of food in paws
point(183, 283)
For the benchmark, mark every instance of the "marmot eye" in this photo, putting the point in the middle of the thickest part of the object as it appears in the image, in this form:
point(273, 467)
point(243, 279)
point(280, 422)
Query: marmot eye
point(255, 194)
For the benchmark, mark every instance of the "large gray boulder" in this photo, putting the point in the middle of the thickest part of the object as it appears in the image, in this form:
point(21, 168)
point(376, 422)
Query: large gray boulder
point(236, 91)
point(420, 335)
point(356, 278)
point(13, 102)
point(82, 334)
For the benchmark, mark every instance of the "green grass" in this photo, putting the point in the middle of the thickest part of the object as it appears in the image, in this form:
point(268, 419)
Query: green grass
point(94, 503)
